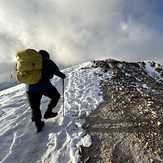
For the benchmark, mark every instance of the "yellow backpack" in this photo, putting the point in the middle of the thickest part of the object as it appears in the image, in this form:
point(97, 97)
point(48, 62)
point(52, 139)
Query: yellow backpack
point(29, 65)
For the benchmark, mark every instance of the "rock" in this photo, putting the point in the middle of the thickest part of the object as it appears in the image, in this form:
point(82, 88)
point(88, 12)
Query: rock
point(130, 119)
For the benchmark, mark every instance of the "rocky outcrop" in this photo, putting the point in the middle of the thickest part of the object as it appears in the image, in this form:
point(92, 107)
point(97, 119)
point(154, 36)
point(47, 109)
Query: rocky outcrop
point(128, 126)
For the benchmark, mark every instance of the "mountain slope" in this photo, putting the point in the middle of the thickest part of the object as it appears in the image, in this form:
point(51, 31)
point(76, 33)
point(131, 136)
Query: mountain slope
point(61, 137)
point(120, 101)
point(128, 126)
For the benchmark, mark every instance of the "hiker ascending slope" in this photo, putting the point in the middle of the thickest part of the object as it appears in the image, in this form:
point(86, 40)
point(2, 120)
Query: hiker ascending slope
point(44, 87)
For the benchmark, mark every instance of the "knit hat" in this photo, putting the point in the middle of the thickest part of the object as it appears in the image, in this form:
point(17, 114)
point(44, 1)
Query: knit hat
point(44, 54)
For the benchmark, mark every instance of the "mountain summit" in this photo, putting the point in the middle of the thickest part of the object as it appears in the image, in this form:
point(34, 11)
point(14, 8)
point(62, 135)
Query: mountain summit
point(112, 109)
point(128, 126)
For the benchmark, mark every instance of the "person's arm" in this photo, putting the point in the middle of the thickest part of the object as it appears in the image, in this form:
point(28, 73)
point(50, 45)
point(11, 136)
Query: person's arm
point(56, 70)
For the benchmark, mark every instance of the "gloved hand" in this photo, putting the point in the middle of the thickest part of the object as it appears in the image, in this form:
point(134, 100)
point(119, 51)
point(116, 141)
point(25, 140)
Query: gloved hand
point(63, 76)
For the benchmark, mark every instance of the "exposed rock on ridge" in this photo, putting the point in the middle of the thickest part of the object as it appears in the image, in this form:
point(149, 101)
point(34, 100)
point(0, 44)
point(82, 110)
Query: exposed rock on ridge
point(128, 126)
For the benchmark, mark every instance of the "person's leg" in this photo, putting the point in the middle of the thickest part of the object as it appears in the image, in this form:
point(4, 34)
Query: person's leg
point(34, 99)
point(54, 96)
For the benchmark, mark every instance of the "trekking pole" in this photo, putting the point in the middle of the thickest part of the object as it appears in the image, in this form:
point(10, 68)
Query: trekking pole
point(63, 96)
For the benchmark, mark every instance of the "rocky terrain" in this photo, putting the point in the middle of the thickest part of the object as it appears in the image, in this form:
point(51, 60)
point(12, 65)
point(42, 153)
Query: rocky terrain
point(128, 126)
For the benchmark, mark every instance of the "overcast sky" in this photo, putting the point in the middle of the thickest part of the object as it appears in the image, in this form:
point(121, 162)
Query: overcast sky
point(75, 31)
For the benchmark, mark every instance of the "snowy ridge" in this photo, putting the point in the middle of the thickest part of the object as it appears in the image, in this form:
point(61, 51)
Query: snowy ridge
point(61, 137)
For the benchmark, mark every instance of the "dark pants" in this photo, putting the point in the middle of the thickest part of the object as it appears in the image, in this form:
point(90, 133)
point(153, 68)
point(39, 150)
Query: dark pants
point(34, 99)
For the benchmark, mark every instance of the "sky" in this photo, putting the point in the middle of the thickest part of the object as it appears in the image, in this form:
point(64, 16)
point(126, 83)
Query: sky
point(75, 31)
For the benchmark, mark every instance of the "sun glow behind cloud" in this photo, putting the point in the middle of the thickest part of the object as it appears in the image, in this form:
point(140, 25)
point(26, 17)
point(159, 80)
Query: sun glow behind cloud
point(75, 31)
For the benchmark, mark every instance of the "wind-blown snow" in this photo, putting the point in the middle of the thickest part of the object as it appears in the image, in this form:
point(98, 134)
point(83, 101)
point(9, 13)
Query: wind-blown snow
point(61, 136)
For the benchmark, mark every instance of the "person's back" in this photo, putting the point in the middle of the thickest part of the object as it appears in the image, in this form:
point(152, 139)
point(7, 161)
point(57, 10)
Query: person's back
point(44, 87)
point(49, 69)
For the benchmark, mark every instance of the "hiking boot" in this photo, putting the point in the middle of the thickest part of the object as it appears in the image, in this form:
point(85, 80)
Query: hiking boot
point(50, 115)
point(39, 125)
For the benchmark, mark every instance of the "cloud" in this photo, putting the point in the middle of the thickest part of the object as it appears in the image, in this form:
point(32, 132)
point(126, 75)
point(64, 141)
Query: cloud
point(75, 31)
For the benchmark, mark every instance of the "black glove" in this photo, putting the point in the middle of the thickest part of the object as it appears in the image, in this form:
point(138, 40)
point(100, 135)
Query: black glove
point(63, 76)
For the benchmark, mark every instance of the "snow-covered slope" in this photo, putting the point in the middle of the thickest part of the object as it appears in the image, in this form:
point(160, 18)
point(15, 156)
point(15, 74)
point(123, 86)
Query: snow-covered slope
point(4, 86)
point(62, 136)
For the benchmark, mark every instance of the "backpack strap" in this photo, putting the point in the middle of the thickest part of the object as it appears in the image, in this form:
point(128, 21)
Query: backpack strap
point(11, 75)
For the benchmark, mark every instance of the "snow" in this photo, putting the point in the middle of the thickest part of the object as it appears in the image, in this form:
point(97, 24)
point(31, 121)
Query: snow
point(61, 137)
point(152, 72)
point(145, 86)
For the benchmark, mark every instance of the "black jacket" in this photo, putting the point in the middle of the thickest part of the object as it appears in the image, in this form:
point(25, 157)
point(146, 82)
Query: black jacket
point(49, 68)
